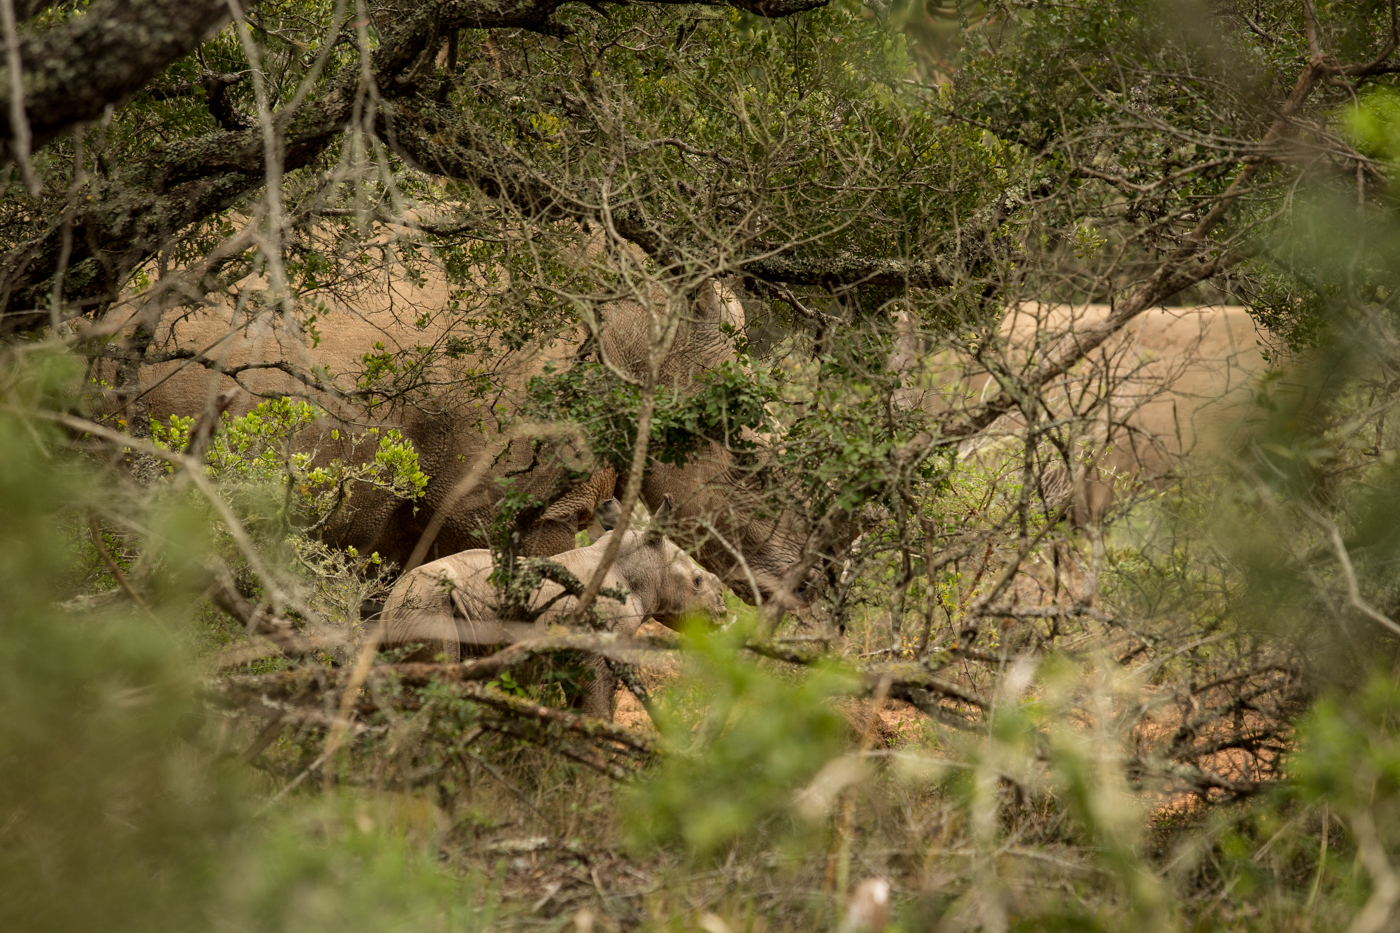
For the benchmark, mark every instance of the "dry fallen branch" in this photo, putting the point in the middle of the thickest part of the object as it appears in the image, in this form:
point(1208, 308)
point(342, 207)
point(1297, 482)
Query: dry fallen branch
point(258, 621)
point(400, 686)
point(912, 683)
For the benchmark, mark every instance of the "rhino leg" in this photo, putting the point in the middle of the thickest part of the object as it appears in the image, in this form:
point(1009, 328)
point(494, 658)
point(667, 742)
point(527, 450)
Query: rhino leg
point(452, 644)
point(599, 700)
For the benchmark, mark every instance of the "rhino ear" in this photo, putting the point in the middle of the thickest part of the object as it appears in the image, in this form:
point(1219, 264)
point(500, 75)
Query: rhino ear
point(608, 513)
point(654, 529)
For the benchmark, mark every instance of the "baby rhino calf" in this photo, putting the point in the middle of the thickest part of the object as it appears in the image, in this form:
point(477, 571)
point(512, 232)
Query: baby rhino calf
point(451, 602)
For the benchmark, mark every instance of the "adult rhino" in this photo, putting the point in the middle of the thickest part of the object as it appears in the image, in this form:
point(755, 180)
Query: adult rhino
point(1167, 385)
point(450, 603)
point(457, 412)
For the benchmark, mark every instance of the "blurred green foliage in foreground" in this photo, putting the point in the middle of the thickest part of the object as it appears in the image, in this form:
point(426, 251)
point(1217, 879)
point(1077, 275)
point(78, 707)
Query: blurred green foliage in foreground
point(745, 738)
point(124, 807)
point(118, 810)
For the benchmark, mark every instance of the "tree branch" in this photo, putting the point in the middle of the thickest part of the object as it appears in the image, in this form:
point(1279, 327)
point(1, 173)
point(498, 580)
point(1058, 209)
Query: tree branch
point(100, 59)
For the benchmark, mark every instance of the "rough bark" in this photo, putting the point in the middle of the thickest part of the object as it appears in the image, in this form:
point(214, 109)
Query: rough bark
point(136, 210)
point(75, 71)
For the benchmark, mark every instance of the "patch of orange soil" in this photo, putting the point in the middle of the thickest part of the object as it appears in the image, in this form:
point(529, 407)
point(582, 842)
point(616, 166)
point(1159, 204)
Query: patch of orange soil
point(627, 711)
point(895, 722)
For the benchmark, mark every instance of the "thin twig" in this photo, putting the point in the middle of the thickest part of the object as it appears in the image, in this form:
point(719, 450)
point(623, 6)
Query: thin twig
point(1353, 587)
point(838, 862)
point(19, 120)
point(265, 738)
point(258, 690)
point(341, 726)
point(203, 431)
point(1385, 890)
point(501, 779)
point(192, 469)
point(111, 563)
point(363, 664)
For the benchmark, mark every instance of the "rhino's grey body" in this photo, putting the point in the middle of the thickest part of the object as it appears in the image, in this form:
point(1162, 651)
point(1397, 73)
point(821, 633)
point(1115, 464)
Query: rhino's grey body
point(451, 602)
point(720, 514)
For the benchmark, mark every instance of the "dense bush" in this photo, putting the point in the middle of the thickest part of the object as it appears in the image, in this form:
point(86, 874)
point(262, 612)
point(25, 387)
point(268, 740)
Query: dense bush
point(1171, 710)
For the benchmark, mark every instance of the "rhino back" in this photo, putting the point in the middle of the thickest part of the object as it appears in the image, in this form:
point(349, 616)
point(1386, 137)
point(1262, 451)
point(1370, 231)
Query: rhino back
point(452, 429)
point(450, 598)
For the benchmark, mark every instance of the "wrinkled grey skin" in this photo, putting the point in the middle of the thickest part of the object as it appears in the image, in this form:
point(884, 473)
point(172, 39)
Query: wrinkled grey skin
point(719, 508)
point(450, 602)
point(452, 430)
point(724, 513)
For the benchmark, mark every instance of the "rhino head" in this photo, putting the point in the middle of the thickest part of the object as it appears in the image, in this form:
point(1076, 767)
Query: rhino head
point(734, 527)
point(661, 573)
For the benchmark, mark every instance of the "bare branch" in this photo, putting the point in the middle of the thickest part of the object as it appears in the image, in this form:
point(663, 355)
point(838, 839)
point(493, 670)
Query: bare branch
point(100, 59)
point(1353, 587)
